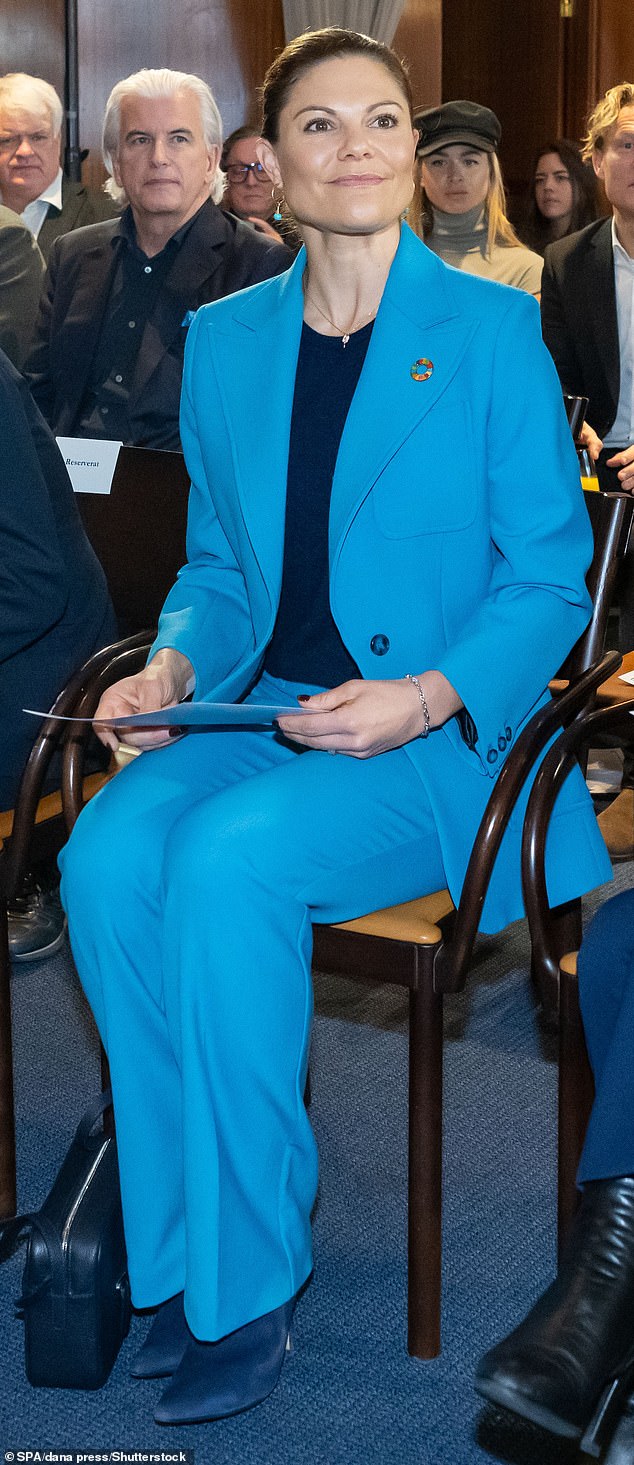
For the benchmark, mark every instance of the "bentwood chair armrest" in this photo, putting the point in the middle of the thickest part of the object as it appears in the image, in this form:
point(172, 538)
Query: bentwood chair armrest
point(453, 957)
point(615, 722)
point(123, 659)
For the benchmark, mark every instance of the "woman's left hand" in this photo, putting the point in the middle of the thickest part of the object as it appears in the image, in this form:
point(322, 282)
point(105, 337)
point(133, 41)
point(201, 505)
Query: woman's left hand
point(365, 718)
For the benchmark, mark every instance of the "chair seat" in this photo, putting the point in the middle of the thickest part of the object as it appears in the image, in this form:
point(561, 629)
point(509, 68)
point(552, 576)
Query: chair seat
point(414, 920)
point(50, 807)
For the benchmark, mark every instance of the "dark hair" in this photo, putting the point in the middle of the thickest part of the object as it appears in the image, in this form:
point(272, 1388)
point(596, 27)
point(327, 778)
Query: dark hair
point(238, 134)
point(308, 50)
point(538, 231)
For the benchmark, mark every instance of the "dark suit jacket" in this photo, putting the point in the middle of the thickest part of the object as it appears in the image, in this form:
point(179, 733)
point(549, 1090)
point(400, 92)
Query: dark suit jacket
point(219, 255)
point(579, 321)
point(54, 604)
point(21, 276)
point(80, 206)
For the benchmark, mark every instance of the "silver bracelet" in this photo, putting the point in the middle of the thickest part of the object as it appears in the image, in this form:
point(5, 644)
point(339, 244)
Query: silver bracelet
point(423, 702)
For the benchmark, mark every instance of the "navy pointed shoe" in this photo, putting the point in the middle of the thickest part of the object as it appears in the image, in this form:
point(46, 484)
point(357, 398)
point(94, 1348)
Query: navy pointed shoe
point(166, 1341)
point(215, 1380)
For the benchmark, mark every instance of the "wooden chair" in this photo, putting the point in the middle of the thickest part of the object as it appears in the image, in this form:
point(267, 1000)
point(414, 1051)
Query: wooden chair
point(614, 723)
point(425, 946)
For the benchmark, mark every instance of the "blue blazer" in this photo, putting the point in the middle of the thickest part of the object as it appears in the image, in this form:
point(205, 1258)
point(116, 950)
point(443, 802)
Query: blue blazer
point(458, 534)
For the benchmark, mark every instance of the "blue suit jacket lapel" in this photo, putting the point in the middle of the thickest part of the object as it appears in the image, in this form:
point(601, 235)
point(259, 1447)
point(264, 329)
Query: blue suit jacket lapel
point(417, 318)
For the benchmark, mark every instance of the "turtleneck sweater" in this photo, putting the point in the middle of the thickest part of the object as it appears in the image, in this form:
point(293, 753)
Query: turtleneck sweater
point(460, 240)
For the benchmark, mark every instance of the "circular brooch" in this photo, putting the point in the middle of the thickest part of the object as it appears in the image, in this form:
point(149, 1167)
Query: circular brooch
point(421, 370)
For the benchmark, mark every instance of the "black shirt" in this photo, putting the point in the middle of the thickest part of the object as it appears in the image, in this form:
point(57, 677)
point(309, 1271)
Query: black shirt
point(306, 644)
point(136, 283)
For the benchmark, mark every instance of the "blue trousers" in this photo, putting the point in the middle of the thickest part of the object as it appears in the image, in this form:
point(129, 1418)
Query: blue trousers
point(606, 991)
point(190, 884)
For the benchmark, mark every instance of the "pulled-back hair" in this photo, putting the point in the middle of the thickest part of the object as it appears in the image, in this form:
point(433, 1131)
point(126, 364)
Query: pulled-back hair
point(159, 83)
point(539, 231)
point(309, 50)
point(31, 94)
point(605, 115)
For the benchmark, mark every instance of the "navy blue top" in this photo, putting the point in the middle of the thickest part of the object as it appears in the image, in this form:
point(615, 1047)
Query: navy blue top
point(306, 645)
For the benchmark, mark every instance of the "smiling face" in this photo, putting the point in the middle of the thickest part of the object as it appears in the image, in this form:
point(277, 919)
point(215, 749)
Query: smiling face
point(614, 164)
point(456, 178)
point(553, 188)
point(163, 161)
point(248, 194)
point(345, 150)
point(29, 155)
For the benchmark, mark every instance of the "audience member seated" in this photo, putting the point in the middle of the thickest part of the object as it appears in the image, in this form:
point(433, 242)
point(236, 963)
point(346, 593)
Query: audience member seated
point(578, 1339)
point(119, 296)
point(54, 612)
point(21, 275)
point(31, 178)
point(192, 882)
point(587, 325)
point(461, 201)
point(249, 190)
point(563, 195)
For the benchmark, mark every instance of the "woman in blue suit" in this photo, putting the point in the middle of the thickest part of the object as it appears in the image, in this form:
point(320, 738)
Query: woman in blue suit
point(368, 534)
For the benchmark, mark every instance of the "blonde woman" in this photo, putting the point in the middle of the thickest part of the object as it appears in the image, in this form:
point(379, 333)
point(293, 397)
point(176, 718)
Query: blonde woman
point(461, 204)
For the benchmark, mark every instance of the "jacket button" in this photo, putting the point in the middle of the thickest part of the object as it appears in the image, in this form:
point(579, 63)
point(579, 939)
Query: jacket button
point(501, 742)
point(508, 733)
point(492, 755)
point(380, 644)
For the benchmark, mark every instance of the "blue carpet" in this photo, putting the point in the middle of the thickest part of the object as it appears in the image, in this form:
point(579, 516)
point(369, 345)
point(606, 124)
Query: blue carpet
point(349, 1394)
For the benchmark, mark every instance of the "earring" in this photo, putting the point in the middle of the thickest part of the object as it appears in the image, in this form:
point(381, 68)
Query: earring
point(277, 216)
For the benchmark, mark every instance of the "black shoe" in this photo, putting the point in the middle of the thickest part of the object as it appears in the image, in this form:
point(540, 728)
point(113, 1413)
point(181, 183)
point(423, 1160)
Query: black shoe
point(570, 1364)
point(37, 923)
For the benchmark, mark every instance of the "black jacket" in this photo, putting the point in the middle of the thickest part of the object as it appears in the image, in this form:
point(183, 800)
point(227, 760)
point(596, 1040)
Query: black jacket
point(54, 604)
point(218, 255)
point(579, 321)
point(80, 206)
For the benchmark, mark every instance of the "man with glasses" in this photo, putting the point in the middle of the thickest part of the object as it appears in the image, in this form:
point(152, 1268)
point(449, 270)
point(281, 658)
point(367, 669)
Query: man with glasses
point(31, 179)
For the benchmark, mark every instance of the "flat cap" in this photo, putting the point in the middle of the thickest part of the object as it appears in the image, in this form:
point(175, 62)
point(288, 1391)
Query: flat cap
point(465, 122)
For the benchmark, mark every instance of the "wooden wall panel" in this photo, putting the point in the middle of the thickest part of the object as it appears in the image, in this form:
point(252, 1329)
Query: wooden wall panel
point(418, 40)
point(32, 38)
point(615, 44)
point(228, 42)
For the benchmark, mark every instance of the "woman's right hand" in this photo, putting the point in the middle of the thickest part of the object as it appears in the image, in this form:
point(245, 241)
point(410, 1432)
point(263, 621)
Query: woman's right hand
point(163, 683)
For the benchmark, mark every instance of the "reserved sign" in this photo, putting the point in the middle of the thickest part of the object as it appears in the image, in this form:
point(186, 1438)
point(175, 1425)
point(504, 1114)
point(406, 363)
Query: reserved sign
point(90, 462)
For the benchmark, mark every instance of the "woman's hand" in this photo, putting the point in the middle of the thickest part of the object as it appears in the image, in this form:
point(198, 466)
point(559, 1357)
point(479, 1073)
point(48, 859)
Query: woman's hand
point(365, 718)
point(625, 463)
point(162, 683)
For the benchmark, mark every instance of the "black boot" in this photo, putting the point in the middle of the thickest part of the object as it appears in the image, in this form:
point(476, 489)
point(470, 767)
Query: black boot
point(570, 1363)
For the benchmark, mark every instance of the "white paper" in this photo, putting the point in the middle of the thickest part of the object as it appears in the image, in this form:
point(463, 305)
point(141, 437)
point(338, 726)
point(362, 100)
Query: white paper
point(90, 462)
point(627, 676)
point(188, 714)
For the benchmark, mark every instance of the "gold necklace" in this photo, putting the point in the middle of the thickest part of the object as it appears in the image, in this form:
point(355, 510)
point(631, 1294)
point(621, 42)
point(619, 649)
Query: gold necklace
point(345, 335)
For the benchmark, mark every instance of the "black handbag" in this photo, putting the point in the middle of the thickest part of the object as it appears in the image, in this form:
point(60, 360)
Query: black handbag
point(75, 1290)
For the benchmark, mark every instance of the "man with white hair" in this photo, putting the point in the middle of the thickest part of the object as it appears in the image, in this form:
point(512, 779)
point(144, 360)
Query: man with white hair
point(31, 179)
point(119, 296)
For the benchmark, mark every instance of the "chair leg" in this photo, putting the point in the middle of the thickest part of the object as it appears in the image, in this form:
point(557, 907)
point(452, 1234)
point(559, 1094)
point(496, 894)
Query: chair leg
point(425, 1169)
point(8, 1196)
point(576, 1093)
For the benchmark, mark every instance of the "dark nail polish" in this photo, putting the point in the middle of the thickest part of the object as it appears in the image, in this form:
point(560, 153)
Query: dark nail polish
point(304, 697)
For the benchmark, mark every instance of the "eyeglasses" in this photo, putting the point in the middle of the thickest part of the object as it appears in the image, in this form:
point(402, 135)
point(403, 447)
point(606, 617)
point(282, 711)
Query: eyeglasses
point(237, 172)
point(34, 139)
